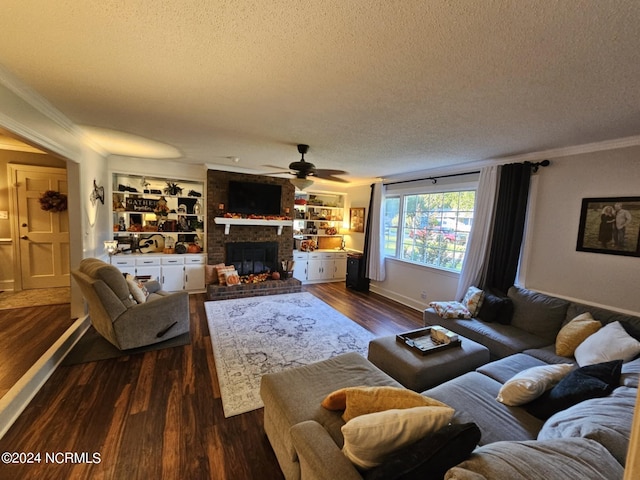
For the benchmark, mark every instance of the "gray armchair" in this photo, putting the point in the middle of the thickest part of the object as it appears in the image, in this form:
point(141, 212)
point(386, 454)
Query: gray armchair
point(116, 315)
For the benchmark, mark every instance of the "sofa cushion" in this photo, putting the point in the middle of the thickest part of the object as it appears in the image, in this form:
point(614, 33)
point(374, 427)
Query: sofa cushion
point(368, 439)
point(574, 333)
point(501, 340)
point(429, 457)
point(537, 313)
point(630, 373)
point(611, 342)
point(548, 355)
point(473, 396)
point(505, 368)
point(559, 459)
point(592, 381)
point(529, 384)
point(606, 420)
point(356, 401)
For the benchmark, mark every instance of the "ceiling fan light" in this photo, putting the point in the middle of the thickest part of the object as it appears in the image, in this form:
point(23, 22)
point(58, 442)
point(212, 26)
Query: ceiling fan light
point(301, 183)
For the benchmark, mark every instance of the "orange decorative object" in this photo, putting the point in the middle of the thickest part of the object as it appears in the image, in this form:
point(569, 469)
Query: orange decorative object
point(275, 275)
point(193, 248)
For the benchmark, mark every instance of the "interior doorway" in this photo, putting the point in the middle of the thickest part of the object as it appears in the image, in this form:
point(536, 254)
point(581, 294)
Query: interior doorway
point(41, 237)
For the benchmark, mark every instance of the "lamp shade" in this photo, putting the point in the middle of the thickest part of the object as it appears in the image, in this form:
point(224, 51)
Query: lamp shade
point(301, 183)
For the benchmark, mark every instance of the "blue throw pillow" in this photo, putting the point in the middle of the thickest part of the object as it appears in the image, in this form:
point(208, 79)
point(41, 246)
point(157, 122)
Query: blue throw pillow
point(429, 457)
point(591, 381)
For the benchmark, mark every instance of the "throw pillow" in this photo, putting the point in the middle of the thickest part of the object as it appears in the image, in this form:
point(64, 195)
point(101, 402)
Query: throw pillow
point(473, 300)
point(222, 270)
point(495, 308)
point(592, 381)
point(450, 309)
point(631, 329)
point(429, 457)
point(611, 342)
point(137, 289)
point(368, 439)
point(356, 401)
point(231, 278)
point(529, 384)
point(574, 333)
point(211, 274)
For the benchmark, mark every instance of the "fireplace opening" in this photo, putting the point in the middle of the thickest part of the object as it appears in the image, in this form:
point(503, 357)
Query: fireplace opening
point(252, 257)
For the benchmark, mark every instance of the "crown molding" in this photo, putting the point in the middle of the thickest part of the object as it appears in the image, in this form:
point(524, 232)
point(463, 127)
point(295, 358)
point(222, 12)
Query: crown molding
point(40, 105)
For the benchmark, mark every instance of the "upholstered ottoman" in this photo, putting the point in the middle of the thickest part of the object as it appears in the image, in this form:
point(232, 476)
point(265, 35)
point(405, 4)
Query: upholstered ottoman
point(419, 372)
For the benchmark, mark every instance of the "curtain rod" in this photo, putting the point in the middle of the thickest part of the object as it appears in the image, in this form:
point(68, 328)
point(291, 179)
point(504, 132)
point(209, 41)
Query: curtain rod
point(434, 180)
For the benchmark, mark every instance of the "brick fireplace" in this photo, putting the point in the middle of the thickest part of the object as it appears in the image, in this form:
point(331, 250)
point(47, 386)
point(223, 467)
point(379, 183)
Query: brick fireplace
point(219, 245)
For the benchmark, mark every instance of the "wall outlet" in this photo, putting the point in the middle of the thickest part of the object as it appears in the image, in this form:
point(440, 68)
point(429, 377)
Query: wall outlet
point(423, 295)
point(4, 215)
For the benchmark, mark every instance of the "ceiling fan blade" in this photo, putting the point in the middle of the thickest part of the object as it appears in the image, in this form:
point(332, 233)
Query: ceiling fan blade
point(327, 174)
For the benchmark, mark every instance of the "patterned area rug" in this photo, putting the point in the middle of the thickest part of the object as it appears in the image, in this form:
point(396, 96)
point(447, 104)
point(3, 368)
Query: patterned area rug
point(35, 298)
point(257, 335)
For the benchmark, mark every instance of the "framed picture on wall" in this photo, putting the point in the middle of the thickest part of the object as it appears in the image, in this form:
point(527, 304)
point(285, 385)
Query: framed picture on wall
point(356, 219)
point(610, 225)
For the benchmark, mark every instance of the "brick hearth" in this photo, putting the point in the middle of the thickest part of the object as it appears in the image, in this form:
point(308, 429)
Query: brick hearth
point(269, 287)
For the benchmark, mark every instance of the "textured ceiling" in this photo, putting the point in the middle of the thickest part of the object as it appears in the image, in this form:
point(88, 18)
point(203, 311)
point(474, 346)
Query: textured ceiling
point(375, 87)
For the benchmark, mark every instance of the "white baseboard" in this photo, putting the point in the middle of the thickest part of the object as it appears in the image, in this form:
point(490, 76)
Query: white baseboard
point(407, 301)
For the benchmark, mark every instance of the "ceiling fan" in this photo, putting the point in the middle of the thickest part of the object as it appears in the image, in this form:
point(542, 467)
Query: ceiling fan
point(303, 169)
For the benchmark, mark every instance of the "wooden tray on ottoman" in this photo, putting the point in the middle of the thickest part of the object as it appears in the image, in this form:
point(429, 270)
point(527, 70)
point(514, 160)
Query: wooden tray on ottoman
point(420, 341)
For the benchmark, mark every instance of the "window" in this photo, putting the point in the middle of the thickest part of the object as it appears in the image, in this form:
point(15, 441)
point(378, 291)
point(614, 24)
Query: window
point(429, 228)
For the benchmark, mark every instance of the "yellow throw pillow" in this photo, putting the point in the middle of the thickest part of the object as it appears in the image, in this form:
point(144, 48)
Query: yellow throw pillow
point(356, 401)
point(574, 333)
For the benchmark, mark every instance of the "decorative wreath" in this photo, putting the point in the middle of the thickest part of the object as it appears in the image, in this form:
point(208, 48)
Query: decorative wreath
point(52, 201)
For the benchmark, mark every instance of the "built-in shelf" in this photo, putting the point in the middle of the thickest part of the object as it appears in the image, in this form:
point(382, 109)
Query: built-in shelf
point(227, 222)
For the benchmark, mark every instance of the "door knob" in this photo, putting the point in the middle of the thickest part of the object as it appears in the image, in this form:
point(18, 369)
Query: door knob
point(24, 237)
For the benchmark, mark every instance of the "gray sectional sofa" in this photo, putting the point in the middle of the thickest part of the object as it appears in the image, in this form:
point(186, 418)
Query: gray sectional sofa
point(588, 440)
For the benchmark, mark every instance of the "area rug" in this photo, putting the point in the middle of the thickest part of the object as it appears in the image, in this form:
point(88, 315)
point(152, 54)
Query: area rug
point(257, 335)
point(93, 347)
point(34, 298)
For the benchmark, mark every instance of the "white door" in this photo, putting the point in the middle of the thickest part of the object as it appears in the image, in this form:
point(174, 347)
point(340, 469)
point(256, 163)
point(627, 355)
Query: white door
point(43, 236)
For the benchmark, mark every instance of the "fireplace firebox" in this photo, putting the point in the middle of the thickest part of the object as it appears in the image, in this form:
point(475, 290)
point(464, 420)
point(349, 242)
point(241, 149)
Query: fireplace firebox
point(252, 257)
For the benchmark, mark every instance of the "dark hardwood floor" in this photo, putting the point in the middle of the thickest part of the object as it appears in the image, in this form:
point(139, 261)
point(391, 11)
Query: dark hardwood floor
point(158, 415)
point(26, 334)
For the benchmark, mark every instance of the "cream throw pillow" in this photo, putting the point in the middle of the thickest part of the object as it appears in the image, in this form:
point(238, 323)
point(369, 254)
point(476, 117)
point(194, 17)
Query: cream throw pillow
point(611, 342)
point(369, 438)
point(529, 384)
point(137, 289)
point(574, 333)
point(356, 401)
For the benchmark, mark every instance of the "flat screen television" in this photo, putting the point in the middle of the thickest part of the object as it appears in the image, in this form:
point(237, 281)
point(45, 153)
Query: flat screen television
point(254, 198)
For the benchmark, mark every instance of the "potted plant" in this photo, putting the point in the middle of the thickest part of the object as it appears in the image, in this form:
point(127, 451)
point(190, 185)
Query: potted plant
point(197, 225)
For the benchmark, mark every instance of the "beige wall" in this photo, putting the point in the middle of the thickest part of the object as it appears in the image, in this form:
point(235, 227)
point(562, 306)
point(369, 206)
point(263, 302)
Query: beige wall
point(552, 263)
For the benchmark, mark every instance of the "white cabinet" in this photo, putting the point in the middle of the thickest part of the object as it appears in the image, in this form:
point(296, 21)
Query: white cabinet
point(148, 267)
point(319, 266)
point(194, 272)
point(174, 272)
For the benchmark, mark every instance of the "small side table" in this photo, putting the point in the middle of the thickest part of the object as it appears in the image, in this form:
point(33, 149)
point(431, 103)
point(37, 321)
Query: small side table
point(419, 372)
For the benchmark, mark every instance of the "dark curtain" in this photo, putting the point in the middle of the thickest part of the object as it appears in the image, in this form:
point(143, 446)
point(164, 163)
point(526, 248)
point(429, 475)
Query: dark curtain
point(367, 236)
point(508, 228)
